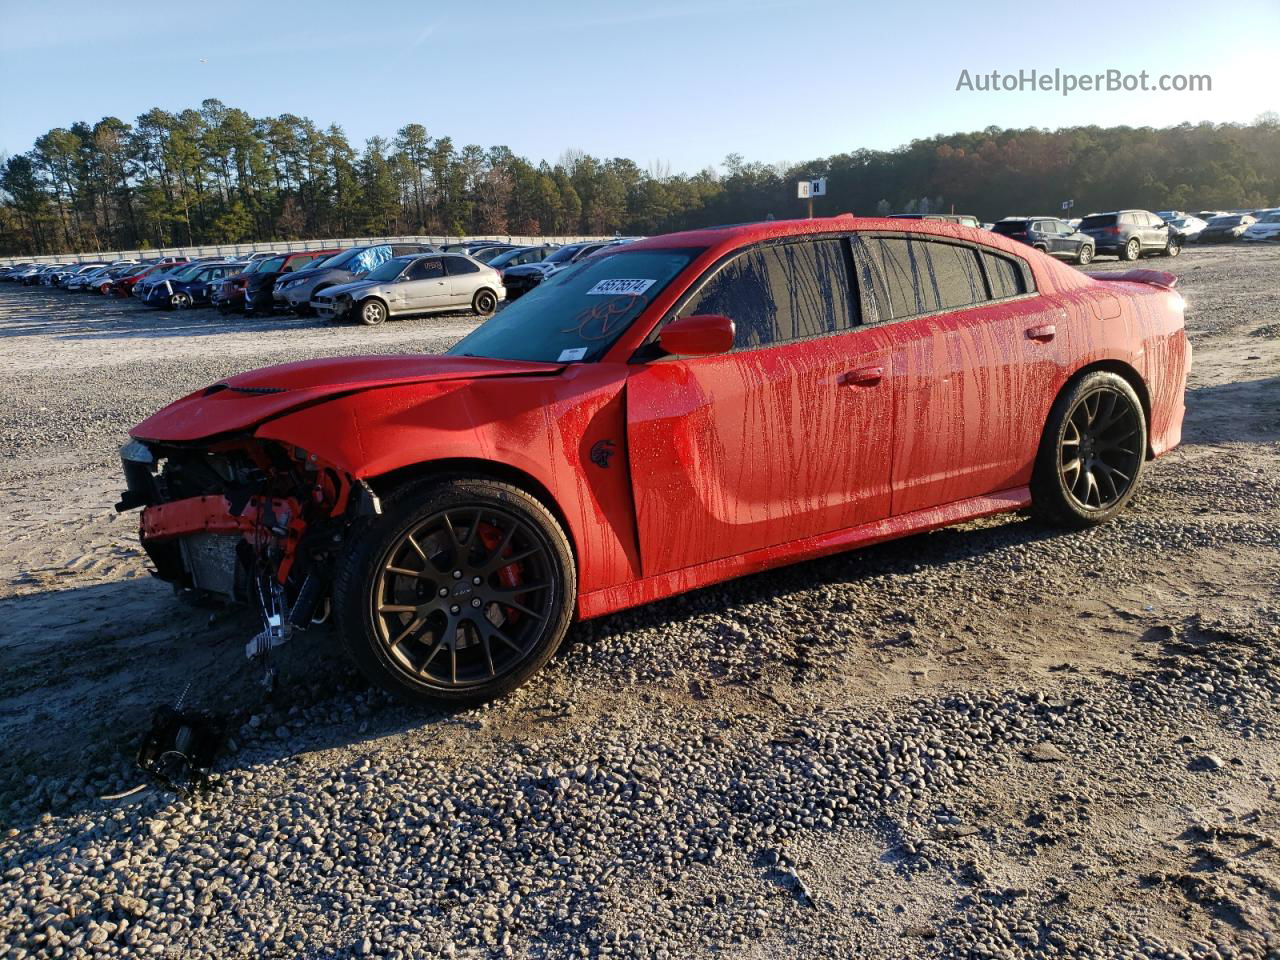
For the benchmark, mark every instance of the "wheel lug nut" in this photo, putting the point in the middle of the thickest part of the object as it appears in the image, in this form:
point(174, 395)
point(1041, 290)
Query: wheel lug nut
point(476, 581)
point(475, 601)
point(444, 591)
point(457, 574)
point(454, 609)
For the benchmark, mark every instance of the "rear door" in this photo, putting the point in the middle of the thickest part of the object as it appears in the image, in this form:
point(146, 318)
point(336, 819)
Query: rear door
point(975, 353)
point(783, 438)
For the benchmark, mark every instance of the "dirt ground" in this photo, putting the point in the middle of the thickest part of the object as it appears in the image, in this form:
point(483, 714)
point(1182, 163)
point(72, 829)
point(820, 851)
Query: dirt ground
point(994, 740)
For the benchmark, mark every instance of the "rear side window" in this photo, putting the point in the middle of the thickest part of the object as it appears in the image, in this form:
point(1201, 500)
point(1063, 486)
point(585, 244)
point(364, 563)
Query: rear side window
point(1005, 276)
point(458, 266)
point(955, 279)
point(781, 292)
point(1100, 220)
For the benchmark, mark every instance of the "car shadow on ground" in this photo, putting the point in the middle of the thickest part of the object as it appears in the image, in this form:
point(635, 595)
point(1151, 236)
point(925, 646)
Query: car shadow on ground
point(83, 669)
point(1246, 411)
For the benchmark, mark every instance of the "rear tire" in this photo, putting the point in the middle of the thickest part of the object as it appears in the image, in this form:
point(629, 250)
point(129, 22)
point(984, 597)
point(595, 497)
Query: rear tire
point(485, 302)
point(429, 610)
point(1132, 250)
point(1091, 453)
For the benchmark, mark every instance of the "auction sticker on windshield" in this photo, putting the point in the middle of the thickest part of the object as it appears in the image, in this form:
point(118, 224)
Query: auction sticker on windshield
point(611, 288)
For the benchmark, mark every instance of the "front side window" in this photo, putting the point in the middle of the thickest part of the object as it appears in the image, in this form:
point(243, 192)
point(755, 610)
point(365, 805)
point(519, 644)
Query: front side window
point(778, 293)
point(426, 269)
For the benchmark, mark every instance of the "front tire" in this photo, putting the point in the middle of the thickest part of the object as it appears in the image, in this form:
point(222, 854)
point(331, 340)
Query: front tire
point(457, 593)
point(1091, 453)
point(1084, 256)
point(1173, 249)
point(180, 301)
point(372, 312)
point(1131, 250)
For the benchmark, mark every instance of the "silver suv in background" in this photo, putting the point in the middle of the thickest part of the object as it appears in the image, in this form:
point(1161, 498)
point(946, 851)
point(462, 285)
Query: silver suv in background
point(296, 291)
point(416, 284)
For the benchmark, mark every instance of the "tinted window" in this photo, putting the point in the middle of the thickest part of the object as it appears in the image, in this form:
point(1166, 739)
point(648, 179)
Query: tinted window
point(1007, 227)
point(1005, 276)
point(894, 269)
point(780, 292)
point(426, 269)
point(1098, 220)
point(955, 278)
point(458, 266)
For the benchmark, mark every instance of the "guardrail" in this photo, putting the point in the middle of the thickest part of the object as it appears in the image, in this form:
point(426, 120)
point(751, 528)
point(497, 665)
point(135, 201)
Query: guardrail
point(275, 246)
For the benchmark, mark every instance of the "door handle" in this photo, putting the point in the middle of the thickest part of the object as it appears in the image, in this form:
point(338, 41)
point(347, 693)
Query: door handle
point(865, 376)
point(1043, 333)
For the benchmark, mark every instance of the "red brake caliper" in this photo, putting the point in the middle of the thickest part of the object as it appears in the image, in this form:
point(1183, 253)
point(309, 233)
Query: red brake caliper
point(511, 575)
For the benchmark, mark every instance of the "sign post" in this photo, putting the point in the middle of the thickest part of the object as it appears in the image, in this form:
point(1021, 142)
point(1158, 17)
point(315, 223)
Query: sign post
point(808, 189)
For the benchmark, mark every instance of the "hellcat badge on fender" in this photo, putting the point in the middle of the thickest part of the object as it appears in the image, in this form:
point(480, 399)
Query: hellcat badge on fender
point(601, 451)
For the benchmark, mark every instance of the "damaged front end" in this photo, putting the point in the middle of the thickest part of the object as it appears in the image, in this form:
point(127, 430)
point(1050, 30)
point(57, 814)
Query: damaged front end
point(245, 520)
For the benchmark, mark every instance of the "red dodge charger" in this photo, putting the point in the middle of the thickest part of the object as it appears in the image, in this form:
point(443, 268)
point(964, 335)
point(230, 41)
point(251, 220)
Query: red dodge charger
point(662, 416)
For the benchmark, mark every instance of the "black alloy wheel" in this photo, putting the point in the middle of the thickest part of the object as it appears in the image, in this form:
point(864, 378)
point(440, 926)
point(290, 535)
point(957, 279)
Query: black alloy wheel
point(1092, 452)
point(458, 593)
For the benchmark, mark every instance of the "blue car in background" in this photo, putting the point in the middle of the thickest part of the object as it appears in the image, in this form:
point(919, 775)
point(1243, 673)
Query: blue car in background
point(189, 287)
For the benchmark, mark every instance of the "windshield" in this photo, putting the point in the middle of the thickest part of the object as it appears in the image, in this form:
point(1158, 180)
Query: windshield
point(1226, 221)
point(265, 265)
point(1271, 218)
point(504, 258)
point(579, 317)
point(563, 254)
point(388, 271)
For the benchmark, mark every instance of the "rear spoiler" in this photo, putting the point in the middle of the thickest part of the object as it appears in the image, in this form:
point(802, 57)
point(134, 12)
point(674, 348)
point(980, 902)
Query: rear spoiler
point(1157, 278)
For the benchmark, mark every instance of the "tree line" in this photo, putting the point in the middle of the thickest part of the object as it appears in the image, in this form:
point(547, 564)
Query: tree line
point(217, 175)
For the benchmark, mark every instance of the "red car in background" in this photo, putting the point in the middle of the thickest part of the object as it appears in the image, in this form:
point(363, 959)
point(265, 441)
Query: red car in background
point(123, 286)
point(678, 411)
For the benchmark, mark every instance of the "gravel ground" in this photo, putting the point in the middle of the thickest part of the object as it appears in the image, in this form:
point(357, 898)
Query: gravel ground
point(998, 740)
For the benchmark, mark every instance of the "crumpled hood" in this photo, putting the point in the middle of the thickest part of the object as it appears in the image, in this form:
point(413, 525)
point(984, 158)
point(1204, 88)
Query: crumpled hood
point(247, 399)
point(351, 289)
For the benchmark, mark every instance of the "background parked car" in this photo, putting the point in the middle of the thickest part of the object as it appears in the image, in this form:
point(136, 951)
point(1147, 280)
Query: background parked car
point(518, 256)
point(251, 290)
point(189, 287)
point(409, 285)
point(60, 278)
point(1267, 227)
point(1049, 235)
point(522, 278)
point(168, 272)
point(1226, 229)
point(296, 292)
point(10, 272)
point(1130, 234)
point(961, 218)
point(123, 285)
point(1187, 227)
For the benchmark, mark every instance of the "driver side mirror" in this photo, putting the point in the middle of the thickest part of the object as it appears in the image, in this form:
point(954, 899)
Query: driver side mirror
point(700, 335)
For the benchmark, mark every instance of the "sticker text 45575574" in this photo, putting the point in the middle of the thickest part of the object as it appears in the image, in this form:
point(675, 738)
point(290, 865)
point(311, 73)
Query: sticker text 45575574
point(611, 288)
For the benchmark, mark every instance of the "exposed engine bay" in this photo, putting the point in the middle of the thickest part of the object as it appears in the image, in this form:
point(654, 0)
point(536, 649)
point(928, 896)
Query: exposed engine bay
point(244, 520)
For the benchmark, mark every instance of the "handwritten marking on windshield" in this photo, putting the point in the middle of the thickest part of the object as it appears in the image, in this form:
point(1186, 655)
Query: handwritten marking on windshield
point(598, 322)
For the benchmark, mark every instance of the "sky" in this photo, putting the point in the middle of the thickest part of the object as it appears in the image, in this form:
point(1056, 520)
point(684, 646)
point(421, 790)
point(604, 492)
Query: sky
point(675, 85)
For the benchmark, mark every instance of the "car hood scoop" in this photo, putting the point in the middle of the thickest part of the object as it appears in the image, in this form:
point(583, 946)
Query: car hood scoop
point(248, 399)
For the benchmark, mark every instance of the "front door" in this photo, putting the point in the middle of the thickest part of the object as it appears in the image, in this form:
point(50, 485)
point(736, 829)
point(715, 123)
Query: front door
point(424, 285)
point(786, 437)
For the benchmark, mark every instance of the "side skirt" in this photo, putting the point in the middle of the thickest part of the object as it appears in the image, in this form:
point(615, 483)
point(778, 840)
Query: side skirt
point(662, 585)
